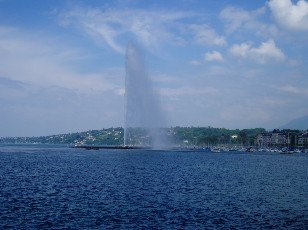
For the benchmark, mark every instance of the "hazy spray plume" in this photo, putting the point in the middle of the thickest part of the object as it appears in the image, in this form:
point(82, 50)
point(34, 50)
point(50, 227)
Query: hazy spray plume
point(143, 115)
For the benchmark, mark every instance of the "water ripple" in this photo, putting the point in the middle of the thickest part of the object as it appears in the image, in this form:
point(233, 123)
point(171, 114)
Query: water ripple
point(55, 188)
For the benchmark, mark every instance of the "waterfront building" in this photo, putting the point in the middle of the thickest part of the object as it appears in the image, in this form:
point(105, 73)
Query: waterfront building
point(279, 139)
point(302, 140)
point(264, 140)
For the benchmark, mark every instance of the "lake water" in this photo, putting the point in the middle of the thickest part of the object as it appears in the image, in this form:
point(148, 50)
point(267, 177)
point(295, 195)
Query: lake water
point(57, 187)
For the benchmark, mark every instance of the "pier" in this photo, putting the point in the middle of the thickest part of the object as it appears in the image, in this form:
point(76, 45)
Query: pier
point(97, 147)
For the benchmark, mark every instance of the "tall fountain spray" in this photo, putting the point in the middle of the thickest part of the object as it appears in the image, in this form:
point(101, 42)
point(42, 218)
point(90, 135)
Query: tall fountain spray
point(143, 116)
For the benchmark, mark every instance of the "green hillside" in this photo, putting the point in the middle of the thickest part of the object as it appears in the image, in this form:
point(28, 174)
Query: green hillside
point(190, 136)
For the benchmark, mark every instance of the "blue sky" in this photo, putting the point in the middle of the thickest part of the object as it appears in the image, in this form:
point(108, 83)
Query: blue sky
point(233, 64)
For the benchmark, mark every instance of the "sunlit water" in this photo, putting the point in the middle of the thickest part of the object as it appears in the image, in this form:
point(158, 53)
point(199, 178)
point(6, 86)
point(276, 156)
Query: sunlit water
point(48, 187)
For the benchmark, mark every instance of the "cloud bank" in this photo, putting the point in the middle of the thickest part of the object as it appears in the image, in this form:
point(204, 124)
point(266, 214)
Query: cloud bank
point(290, 15)
point(213, 56)
point(267, 51)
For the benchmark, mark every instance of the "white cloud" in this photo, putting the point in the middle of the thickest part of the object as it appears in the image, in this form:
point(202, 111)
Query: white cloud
point(290, 89)
point(110, 26)
point(289, 15)
point(54, 110)
point(267, 51)
point(240, 20)
point(206, 35)
point(295, 62)
point(195, 62)
point(213, 56)
point(187, 90)
point(252, 114)
point(235, 17)
point(241, 50)
point(43, 62)
point(294, 89)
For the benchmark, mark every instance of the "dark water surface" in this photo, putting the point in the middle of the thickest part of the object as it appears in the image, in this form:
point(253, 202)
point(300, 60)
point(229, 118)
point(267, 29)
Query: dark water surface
point(55, 188)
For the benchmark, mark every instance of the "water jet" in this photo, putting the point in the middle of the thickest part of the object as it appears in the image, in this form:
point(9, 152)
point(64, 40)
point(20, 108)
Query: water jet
point(144, 120)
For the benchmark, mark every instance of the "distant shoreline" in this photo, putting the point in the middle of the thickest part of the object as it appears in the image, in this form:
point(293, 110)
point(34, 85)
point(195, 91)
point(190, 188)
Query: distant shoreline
point(184, 137)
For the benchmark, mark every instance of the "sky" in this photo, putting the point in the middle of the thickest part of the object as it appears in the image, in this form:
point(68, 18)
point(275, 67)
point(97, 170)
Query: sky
point(226, 64)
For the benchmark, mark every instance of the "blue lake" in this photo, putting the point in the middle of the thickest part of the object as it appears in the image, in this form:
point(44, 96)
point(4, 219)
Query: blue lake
point(58, 187)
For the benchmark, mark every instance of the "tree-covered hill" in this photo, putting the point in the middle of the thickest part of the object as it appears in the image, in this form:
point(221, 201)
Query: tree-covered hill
point(111, 136)
point(204, 136)
point(189, 136)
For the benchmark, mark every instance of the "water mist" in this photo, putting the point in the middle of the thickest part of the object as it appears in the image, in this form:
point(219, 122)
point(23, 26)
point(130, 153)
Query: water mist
point(143, 115)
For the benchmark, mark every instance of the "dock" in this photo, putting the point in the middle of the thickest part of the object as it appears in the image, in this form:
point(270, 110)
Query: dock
point(97, 147)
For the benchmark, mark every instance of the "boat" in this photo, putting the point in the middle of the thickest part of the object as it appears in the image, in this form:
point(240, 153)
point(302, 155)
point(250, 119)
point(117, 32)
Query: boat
point(215, 150)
